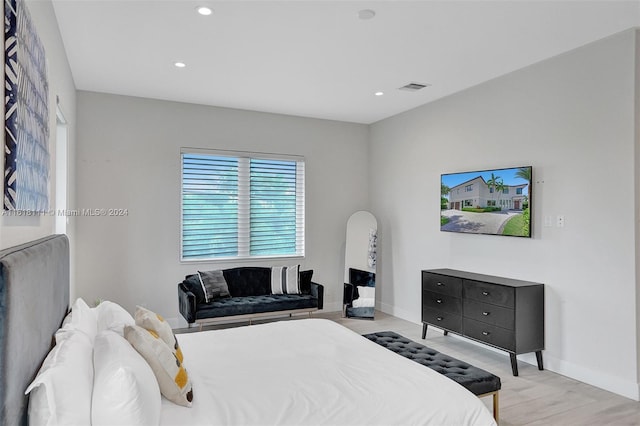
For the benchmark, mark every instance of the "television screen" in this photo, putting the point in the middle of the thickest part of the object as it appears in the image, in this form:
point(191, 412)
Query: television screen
point(496, 202)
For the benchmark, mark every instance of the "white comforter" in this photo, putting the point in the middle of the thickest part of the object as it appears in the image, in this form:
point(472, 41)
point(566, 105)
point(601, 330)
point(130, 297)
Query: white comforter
point(312, 372)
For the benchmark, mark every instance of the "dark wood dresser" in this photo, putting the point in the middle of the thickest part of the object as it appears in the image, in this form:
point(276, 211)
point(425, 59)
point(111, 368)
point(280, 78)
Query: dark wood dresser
point(505, 313)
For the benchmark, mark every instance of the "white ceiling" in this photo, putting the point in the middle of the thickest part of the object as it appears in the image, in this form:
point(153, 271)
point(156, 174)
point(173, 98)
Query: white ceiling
point(316, 58)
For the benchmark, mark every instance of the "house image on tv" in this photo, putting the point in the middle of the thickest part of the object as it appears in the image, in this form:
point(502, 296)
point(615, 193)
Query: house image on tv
point(478, 193)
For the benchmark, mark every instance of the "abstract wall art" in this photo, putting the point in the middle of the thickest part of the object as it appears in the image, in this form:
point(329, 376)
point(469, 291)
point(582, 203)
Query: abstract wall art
point(26, 161)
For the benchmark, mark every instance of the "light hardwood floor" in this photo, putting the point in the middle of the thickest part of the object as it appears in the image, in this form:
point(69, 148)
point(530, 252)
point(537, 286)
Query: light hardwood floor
point(533, 398)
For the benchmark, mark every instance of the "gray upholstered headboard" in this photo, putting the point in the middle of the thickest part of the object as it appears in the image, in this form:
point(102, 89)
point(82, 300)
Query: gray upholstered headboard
point(34, 297)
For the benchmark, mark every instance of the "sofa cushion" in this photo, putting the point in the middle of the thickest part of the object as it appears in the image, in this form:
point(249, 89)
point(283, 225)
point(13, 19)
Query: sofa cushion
point(255, 304)
point(192, 283)
point(213, 284)
point(248, 281)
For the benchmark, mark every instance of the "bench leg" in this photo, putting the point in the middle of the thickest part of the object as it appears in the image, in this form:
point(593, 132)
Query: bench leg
point(496, 403)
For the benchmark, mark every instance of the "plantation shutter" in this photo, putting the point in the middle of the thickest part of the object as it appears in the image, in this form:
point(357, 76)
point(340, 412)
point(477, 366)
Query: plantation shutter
point(274, 207)
point(209, 206)
point(242, 206)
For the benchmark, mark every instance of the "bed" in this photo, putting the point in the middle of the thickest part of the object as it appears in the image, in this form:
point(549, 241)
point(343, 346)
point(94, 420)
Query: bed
point(313, 371)
point(309, 371)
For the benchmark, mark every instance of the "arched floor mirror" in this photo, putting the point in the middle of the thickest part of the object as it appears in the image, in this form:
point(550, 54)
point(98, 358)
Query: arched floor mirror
point(359, 296)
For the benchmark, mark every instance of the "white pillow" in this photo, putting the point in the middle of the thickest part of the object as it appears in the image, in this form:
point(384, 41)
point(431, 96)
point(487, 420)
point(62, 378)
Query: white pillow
point(364, 302)
point(111, 316)
point(81, 318)
point(366, 297)
point(366, 292)
point(125, 390)
point(61, 392)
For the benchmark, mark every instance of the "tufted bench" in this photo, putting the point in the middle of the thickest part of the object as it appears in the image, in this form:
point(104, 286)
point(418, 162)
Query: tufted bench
point(478, 381)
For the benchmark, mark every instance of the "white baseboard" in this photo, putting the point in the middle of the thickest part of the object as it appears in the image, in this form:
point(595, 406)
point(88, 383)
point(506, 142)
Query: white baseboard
point(399, 313)
point(177, 322)
point(331, 307)
point(626, 388)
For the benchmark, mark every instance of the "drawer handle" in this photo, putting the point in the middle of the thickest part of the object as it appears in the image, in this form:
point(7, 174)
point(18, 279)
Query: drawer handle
point(485, 333)
point(486, 313)
point(485, 293)
point(438, 300)
point(439, 284)
point(439, 318)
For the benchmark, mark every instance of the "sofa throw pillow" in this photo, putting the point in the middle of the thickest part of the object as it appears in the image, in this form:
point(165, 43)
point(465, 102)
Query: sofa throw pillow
point(172, 377)
point(149, 320)
point(214, 285)
point(305, 281)
point(285, 279)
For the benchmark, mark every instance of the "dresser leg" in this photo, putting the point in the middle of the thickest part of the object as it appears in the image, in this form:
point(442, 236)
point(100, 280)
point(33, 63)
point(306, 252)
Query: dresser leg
point(445, 332)
point(539, 359)
point(514, 364)
point(424, 330)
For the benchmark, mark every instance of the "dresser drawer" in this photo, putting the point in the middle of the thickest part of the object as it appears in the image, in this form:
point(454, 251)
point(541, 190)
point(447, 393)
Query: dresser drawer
point(442, 284)
point(489, 293)
point(441, 302)
point(444, 320)
point(490, 334)
point(489, 314)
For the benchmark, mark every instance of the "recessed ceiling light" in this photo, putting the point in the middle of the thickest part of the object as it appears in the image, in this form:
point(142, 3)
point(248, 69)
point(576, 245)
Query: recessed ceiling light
point(204, 10)
point(379, 93)
point(365, 14)
point(180, 64)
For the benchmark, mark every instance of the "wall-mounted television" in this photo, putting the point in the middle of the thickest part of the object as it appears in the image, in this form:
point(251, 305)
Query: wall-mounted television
point(494, 202)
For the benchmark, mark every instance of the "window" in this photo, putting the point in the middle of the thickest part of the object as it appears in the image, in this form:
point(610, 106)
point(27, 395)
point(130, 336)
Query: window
point(491, 203)
point(519, 191)
point(505, 190)
point(241, 205)
point(468, 203)
point(468, 188)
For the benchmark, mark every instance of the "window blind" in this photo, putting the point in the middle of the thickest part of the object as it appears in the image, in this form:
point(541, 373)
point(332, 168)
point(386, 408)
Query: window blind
point(241, 206)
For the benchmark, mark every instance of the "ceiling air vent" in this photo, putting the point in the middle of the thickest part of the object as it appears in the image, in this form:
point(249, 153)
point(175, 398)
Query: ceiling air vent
point(413, 87)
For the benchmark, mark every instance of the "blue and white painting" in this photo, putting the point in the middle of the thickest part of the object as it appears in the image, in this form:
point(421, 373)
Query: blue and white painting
point(26, 170)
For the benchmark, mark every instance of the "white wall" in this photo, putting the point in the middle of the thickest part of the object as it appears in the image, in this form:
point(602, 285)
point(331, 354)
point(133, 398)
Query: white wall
point(17, 230)
point(570, 117)
point(129, 157)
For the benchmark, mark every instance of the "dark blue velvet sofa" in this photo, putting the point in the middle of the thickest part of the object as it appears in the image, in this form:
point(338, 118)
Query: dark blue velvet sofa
point(250, 289)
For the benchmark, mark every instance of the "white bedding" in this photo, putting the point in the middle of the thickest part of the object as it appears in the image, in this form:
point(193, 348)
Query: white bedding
point(312, 372)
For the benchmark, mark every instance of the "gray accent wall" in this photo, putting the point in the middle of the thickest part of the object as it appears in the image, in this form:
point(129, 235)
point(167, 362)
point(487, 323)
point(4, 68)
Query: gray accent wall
point(573, 118)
